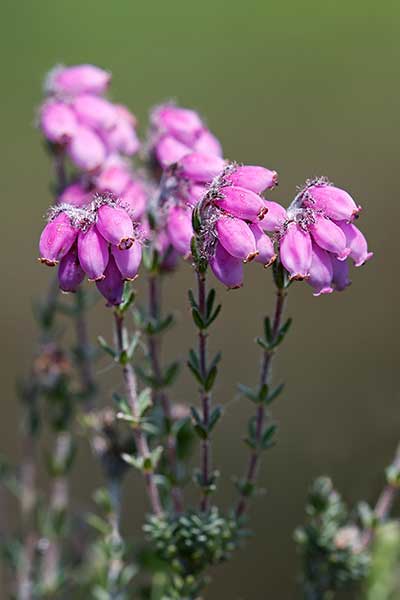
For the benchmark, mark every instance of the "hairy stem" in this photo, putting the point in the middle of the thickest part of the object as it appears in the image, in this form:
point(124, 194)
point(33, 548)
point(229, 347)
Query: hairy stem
point(139, 435)
point(160, 396)
point(205, 397)
point(265, 372)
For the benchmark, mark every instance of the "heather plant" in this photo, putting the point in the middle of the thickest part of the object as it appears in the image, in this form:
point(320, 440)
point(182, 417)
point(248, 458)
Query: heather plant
point(121, 208)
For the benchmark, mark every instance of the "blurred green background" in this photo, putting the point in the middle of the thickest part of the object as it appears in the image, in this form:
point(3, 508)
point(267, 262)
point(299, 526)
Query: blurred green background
point(306, 88)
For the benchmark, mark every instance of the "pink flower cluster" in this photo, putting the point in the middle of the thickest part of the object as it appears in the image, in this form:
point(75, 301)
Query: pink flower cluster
point(178, 131)
point(316, 235)
point(99, 240)
point(77, 116)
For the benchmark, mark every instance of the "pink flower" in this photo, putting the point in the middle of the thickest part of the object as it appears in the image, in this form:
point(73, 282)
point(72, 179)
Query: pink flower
point(77, 80)
point(226, 268)
point(207, 143)
point(93, 253)
point(112, 286)
point(255, 179)
point(340, 277)
point(296, 251)
point(357, 243)
point(181, 123)
point(321, 271)
point(275, 217)
point(179, 228)
point(135, 199)
point(265, 248)
point(332, 201)
point(329, 237)
point(70, 272)
point(95, 112)
point(56, 240)
point(128, 261)
point(86, 149)
point(237, 238)
point(122, 137)
point(242, 203)
point(115, 225)
point(114, 178)
point(75, 195)
point(57, 122)
point(201, 168)
point(169, 150)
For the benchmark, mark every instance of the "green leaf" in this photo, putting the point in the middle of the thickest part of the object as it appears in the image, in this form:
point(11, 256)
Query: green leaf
point(210, 379)
point(214, 417)
point(215, 314)
point(248, 392)
point(198, 319)
point(263, 393)
point(134, 461)
point(267, 440)
point(106, 347)
point(171, 374)
point(133, 345)
point(274, 393)
point(192, 300)
point(268, 329)
point(210, 302)
point(193, 359)
point(144, 401)
point(196, 373)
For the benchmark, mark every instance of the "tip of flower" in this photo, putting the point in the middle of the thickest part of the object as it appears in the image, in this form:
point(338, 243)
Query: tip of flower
point(251, 256)
point(299, 276)
point(99, 278)
point(131, 278)
point(234, 287)
point(325, 290)
point(271, 261)
point(66, 292)
point(344, 254)
point(360, 263)
point(126, 243)
point(48, 262)
point(275, 179)
point(262, 213)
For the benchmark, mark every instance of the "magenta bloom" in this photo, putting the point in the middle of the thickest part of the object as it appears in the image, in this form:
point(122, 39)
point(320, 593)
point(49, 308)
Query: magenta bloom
point(357, 243)
point(112, 286)
point(275, 218)
point(237, 238)
point(265, 248)
point(70, 272)
point(255, 179)
point(321, 271)
point(56, 239)
point(86, 149)
point(332, 201)
point(340, 278)
point(179, 228)
point(58, 122)
point(135, 199)
point(95, 112)
point(122, 137)
point(241, 203)
point(115, 225)
point(128, 261)
point(177, 132)
point(329, 237)
point(200, 167)
point(77, 79)
point(226, 268)
point(75, 195)
point(114, 178)
point(296, 251)
point(93, 253)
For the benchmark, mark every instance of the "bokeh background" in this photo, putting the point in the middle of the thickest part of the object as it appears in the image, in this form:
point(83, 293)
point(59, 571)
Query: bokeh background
point(303, 87)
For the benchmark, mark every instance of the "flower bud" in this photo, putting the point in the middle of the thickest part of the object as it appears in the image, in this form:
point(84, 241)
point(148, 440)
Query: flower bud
point(237, 238)
point(275, 217)
point(128, 261)
point(179, 228)
point(134, 199)
point(58, 122)
point(78, 79)
point(181, 123)
point(56, 239)
point(95, 112)
point(86, 149)
point(296, 251)
point(340, 273)
point(241, 203)
point(112, 286)
point(122, 137)
point(334, 202)
point(207, 143)
point(265, 248)
point(115, 225)
point(114, 178)
point(201, 167)
point(321, 271)
point(255, 179)
point(226, 268)
point(329, 237)
point(75, 195)
point(357, 243)
point(93, 253)
point(169, 151)
point(70, 272)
